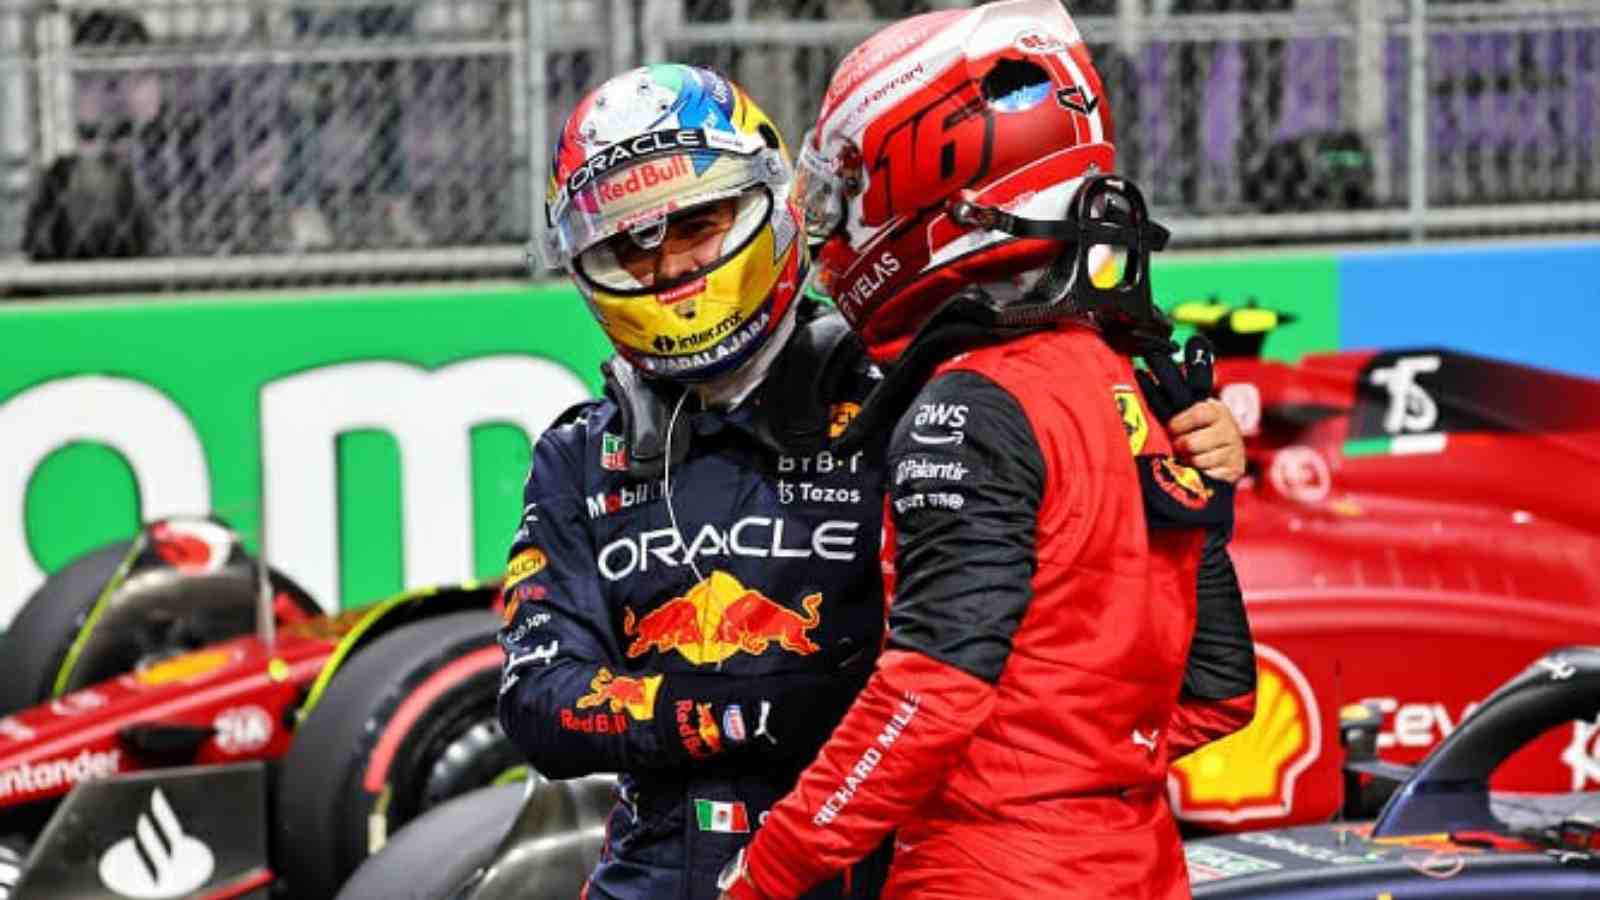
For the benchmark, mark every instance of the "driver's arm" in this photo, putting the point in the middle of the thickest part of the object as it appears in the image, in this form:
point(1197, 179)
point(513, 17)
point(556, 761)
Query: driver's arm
point(1219, 682)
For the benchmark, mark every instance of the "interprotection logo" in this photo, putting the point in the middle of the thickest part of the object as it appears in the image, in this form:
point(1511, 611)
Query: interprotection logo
point(158, 860)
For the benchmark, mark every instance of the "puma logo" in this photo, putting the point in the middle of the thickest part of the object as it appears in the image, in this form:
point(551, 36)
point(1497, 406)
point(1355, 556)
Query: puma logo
point(1147, 741)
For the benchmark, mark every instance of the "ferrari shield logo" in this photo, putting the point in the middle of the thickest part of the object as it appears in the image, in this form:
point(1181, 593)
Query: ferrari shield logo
point(1133, 419)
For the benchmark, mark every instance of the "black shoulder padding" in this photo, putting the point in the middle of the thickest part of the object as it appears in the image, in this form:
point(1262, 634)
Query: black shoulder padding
point(967, 321)
point(806, 379)
point(646, 409)
point(572, 413)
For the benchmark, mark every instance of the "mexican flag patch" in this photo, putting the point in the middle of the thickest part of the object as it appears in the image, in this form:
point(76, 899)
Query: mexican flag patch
point(718, 816)
point(613, 453)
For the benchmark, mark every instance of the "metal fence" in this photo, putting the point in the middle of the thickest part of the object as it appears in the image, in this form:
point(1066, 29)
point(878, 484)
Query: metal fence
point(244, 143)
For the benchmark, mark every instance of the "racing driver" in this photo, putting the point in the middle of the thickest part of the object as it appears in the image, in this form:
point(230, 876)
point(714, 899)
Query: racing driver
point(694, 593)
point(1043, 664)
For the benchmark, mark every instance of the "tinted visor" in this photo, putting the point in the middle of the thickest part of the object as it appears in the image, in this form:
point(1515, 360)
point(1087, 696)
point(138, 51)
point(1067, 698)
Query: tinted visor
point(661, 254)
point(819, 192)
point(644, 192)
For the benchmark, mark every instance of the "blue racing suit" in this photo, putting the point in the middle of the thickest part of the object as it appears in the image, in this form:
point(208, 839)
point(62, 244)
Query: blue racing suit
point(699, 631)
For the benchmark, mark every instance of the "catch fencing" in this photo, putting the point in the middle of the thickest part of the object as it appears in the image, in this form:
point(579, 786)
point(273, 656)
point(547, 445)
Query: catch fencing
point(251, 143)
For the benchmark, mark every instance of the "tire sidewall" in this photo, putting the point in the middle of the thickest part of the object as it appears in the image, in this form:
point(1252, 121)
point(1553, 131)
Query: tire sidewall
point(378, 719)
point(36, 642)
point(471, 826)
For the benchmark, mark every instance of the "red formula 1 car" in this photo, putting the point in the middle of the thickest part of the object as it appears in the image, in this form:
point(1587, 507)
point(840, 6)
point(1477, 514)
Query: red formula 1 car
point(214, 735)
point(1417, 524)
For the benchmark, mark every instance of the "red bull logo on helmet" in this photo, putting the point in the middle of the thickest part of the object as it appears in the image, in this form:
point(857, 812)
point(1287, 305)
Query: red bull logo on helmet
point(720, 617)
point(644, 176)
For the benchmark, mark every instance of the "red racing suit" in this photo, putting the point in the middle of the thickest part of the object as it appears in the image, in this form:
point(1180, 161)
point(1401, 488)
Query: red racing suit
point(1033, 690)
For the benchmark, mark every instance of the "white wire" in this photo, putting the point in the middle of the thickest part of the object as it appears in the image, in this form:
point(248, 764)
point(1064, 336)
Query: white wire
point(666, 488)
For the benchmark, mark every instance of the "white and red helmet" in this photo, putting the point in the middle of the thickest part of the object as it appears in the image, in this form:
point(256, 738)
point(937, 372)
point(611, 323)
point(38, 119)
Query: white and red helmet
point(997, 106)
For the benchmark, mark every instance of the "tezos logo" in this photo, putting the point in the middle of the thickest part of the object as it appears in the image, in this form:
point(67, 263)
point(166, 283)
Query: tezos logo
point(158, 860)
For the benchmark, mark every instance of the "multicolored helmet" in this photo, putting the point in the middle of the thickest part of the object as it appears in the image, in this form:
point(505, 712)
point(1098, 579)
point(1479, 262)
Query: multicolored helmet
point(645, 150)
point(997, 107)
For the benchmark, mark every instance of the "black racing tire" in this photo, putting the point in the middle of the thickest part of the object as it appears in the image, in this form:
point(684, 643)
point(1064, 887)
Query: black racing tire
point(439, 850)
point(408, 724)
point(34, 647)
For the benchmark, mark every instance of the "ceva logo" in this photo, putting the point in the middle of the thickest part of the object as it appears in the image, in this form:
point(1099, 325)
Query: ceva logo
point(158, 860)
point(1251, 774)
point(428, 412)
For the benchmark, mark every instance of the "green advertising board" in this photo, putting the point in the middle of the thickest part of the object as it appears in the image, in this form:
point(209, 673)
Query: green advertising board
point(369, 443)
point(1304, 286)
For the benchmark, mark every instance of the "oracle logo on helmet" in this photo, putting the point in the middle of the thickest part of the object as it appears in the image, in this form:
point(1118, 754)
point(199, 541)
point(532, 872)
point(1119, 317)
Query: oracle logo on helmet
point(962, 113)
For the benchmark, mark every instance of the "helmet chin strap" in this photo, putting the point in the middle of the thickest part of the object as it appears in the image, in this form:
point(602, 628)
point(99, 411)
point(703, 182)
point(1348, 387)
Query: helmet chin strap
point(1105, 211)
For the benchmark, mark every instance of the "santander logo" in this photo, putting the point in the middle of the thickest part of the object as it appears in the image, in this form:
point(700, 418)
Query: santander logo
point(158, 861)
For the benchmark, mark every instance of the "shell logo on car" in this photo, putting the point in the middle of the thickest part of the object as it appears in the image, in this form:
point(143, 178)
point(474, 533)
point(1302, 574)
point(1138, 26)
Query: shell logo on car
point(1251, 774)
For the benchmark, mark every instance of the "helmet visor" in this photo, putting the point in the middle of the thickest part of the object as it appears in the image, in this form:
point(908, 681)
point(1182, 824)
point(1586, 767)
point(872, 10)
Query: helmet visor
point(620, 190)
point(664, 253)
point(819, 191)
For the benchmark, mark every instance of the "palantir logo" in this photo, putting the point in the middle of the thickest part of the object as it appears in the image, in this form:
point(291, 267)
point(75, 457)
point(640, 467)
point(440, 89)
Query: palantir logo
point(158, 860)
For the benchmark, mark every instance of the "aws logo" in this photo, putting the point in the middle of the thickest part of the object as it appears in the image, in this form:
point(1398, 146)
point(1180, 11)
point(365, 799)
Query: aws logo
point(1251, 774)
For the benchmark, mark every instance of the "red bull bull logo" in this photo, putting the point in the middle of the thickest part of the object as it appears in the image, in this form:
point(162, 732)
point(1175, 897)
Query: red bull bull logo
point(1251, 774)
point(635, 696)
point(1180, 482)
point(720, 617)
